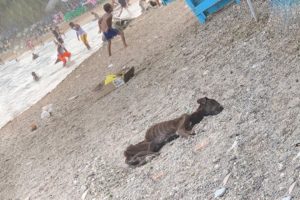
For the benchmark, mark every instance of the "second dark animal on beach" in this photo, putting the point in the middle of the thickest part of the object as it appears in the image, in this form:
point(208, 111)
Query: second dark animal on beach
point(160, 134)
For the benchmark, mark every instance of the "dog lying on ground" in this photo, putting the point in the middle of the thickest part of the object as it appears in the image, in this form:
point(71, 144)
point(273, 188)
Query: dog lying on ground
point(160, 134)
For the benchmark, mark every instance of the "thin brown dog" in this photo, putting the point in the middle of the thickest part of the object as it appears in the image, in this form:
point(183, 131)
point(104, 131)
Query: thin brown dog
point(160, 134)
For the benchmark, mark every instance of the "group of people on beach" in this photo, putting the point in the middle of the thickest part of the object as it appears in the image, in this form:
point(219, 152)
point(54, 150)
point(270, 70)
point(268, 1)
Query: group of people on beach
point(62, 53)
point(105, 27)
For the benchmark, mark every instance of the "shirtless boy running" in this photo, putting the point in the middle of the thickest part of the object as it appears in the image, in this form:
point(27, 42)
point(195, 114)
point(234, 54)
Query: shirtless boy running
point(105, 26)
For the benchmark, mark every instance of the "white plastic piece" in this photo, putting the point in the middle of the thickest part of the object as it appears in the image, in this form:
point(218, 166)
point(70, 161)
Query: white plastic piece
point(45, 114)
point(220, 192)
point(252, 9)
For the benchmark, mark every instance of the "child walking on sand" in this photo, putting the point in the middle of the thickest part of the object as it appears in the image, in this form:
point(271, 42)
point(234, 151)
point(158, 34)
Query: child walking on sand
point(62, 54)
point(124, 5)
point(80, 33)
point(105, 25)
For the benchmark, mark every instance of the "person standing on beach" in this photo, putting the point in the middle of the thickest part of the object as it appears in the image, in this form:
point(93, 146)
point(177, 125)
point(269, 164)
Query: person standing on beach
point(35, 76)
point(57, 34)
point(30, 45)
point(97, 17)
point(124, 5)
point(80, 33)
point(105, 25)
point(62, 54)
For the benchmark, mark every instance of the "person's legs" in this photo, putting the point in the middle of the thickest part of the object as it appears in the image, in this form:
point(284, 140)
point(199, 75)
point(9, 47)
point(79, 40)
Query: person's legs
point(62, 58)
point(85, 41)
point(158, 3)
point(141, 4)
point(120, 11)
point(121, 33)
point(109, 47)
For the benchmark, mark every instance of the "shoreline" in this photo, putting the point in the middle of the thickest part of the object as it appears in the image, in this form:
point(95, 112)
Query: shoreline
point(86, 20)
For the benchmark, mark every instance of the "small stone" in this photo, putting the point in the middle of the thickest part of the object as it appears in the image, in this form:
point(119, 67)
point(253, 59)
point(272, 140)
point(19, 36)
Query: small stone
point(184, 69)
point(280, 167)
point(157, 176)
point(220, 192)
point(33, 127)
point(232, 158)
point(282, 175)
point(217, 166)
point(73, 97)
point(202, 145)
point(205, 72)
point(216, 160)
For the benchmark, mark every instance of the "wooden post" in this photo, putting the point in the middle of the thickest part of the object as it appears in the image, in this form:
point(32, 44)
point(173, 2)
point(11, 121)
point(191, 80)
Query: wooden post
point(252, 9)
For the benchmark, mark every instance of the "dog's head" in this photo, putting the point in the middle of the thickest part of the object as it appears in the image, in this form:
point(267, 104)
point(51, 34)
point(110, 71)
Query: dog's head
point(209, 106)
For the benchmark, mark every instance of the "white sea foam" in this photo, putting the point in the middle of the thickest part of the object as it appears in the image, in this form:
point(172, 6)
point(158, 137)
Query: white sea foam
point(18, 90)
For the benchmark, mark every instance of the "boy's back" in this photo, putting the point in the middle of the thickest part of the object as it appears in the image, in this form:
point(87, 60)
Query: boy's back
point(106, 22)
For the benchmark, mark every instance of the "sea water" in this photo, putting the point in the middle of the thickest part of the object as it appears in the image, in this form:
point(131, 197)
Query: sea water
point(18, 90)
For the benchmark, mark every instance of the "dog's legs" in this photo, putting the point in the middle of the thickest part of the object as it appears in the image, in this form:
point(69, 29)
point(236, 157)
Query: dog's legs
point(183, 126)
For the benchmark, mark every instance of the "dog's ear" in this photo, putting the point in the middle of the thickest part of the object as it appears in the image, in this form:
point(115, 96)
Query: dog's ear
point(202, 101)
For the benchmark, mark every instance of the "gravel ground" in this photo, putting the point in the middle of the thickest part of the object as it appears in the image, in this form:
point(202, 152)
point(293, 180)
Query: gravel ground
point(247, 66)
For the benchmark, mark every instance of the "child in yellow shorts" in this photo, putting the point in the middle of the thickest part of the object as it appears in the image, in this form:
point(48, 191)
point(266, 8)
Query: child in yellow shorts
point(80, 33)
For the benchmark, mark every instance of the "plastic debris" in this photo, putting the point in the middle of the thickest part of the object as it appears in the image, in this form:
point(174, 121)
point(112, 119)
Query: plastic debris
point(47, 111)
point(233, 147)
point(297, 156)
point(291, 188)
point(84, 195)
point(45, 114)
point(220, 192)
point(287, 198)
point(48, 108)
point(226, 179)
point(73, 97)
point(118, 82)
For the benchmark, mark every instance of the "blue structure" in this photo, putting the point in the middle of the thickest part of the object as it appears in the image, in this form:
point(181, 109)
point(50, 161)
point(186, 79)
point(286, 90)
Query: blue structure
point(165, 2)
point(285, 3)
point(203, 8)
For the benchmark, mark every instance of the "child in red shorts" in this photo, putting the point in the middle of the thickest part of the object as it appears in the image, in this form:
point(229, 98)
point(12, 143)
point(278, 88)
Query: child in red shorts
point(62, 54)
